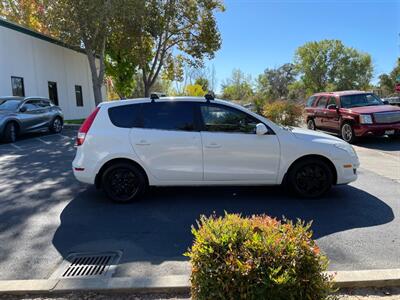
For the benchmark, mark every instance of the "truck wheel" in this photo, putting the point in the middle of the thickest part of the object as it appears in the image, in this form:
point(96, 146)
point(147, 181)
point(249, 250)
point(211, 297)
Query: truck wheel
point(311, 124)
point(347, 133)
point(10, 133)
point(123, 182)
point(310, 178)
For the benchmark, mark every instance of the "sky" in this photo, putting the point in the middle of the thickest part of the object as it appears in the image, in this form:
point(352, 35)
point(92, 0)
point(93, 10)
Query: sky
point(260, 34)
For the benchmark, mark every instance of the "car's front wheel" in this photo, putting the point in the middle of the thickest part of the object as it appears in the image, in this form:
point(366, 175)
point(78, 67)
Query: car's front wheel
point(10, 132)
point(347, 133)
point(123, 182)
point(310, 178)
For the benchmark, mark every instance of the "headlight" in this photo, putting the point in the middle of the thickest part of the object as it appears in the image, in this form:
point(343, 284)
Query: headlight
point(346, 147)
point(365, 119)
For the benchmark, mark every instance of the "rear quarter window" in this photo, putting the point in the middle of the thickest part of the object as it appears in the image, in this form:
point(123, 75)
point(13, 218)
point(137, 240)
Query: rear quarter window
point(124, 116)
point(310, 101)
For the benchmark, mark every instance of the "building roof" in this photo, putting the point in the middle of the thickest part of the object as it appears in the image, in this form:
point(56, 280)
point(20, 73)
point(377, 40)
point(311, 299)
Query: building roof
point(38, 35)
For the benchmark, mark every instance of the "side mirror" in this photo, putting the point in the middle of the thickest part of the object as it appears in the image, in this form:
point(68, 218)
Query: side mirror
point(386, 102)
point(332, 106)
point(22, 109)
point(261, 129)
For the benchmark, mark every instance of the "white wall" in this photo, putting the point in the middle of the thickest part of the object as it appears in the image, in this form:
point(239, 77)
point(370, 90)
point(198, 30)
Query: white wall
point(38, 62)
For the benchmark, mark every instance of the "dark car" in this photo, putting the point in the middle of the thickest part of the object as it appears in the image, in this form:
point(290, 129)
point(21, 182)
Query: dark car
point(20, 115)
point(352, 114)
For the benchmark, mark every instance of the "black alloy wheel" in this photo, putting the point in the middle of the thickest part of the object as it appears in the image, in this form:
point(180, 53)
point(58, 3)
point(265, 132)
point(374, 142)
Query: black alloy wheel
point(310, 178)
point(123, 182)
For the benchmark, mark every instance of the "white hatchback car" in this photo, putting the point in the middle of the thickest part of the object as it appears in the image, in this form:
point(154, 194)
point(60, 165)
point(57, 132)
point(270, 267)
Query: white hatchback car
point(125, 146)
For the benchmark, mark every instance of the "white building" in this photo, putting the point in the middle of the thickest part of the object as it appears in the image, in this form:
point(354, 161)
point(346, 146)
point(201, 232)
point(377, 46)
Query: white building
point(33, 64)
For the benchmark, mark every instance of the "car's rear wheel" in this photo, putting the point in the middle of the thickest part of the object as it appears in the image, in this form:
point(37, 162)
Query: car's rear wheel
point(57, 125)
point(123, 182)
point(347, 133)
point(310, 178)
point(311, 124)
point(10, 132)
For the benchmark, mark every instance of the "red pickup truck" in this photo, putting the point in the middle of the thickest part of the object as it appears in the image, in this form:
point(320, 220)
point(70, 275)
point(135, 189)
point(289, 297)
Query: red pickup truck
point(352, 114)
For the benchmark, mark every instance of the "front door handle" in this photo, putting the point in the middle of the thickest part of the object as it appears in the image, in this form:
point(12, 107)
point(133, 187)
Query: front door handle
point(213, 145)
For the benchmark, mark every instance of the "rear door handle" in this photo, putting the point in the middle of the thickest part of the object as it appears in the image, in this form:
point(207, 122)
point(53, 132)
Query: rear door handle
point(143, 143)
point(213, 145)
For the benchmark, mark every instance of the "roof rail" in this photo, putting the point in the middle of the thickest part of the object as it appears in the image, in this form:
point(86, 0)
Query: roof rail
point(153, 97)
point(209, 96)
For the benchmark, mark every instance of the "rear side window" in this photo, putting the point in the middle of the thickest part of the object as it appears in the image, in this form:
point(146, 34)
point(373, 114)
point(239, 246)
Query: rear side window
point(124, 116)
point(168, 116)
point(322, 102)
point(310, 101)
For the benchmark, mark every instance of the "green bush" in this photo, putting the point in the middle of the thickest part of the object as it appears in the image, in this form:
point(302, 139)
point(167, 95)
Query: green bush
point(286, 113)
point(256, 258)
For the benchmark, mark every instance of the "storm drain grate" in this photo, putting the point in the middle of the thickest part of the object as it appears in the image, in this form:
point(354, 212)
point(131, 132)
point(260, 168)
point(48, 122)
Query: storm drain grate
point(88, 265)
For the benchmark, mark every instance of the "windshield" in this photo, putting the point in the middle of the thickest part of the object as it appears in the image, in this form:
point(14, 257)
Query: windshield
point(10, 105)
point(358, 100)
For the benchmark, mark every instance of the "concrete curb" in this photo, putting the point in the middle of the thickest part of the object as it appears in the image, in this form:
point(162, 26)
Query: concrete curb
point(176, 284)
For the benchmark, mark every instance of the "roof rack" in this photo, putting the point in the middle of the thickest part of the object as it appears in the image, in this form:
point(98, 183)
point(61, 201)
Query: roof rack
point(209, 96)
point(153, 97)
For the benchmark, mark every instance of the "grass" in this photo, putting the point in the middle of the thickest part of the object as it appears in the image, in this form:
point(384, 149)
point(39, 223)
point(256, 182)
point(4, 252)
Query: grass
point(77, 121)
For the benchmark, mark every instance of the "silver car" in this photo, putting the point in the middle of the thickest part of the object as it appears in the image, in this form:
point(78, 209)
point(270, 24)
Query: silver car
point(20, 115)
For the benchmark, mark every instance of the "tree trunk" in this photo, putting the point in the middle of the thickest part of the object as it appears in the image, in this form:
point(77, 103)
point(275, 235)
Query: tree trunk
point(96, 82)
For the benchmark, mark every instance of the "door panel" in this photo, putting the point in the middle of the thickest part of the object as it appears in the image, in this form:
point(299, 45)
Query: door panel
point(240, 157)
point(231, 149)
point(169, 155)
point(34, 117)
point(167, 142)
point(320, 112)
point(332, 117)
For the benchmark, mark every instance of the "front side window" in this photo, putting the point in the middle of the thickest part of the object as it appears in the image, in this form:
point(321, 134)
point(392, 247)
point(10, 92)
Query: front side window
point(332, 101)
point(17, 85)
point(78, 95)
point(168, 116)
point(358, 100)
point(32, 105)
point(322, 102)
point(218, 118)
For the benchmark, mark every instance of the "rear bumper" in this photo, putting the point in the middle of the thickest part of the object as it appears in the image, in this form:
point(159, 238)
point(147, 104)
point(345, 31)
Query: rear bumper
point(375, 129)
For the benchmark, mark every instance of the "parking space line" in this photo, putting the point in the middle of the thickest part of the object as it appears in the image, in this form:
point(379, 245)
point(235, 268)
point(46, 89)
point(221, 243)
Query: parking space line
point(43, 141)
point(65, 137)
point(15, 146)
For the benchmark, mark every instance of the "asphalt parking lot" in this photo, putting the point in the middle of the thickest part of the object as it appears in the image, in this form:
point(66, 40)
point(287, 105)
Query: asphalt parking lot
point(45, 214)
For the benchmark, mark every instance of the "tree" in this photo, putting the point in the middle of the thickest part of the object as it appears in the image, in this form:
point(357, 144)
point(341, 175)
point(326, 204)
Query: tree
point(28, 13)
point(387, 82)
point(203, 82)
point(274, 83)
point(178, 31)
point(86, 24)
point(238, 87)
point(328, 63)
point(195, 90)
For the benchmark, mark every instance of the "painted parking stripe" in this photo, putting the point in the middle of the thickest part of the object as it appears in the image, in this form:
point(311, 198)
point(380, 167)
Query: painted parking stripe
point(15, 146)
point(43, 141)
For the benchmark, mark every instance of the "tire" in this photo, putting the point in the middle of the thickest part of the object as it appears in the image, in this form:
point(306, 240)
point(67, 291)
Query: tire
point(347, 133)
point(56, 125)
point(10, 132)
point(311, 124)
point(310, 178)
point(123, 182)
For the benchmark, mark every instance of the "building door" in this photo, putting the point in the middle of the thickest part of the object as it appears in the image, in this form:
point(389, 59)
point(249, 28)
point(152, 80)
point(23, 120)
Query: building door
point(53, 95)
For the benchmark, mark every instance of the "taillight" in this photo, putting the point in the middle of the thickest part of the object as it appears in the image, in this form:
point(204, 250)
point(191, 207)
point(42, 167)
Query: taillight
point(83, 130)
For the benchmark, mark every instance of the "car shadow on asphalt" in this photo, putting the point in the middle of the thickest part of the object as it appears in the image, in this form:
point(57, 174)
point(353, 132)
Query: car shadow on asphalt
point(157, 228)
point(380, 143)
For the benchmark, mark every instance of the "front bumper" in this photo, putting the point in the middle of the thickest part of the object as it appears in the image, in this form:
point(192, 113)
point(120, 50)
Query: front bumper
point(347, 170)
point(376, 129)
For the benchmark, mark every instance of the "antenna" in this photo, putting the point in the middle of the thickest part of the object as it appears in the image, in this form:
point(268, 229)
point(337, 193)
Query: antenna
point(153, 97)
point(209, 96)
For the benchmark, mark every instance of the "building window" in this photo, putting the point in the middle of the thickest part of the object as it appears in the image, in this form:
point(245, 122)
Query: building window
point(53, 95)
point(78, 95)
point(17, 84)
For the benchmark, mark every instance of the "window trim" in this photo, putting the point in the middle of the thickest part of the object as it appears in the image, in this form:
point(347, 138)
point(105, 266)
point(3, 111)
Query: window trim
point(140, 120)
point(203, 126)
point(23, 86)
point(79, 104)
